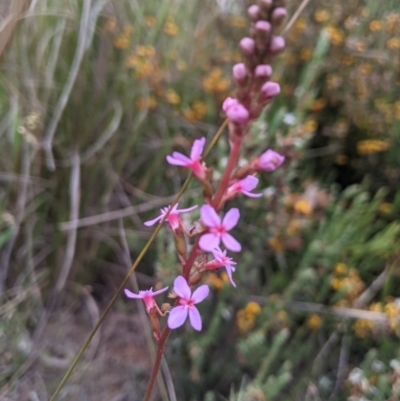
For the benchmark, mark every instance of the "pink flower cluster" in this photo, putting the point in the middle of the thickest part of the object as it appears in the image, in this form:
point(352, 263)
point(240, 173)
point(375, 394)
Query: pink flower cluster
point(254, 91)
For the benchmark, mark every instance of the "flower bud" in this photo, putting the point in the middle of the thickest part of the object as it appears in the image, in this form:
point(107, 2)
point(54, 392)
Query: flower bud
point(269, 90)
point(228, 102)
point(247, 46)
point(263, 27)
point(278, 15)
point(254, 12)
point(269, 161)
point(238, 114)
point(277, 44)
point(263, 71)
point(239, 73)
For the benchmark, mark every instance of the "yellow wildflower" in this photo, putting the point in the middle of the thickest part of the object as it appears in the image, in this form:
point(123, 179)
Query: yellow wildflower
point(150, 21)
point(375, 25)
point(362, 328)
point(215, 282)
point(110, 25)
point(318, 104)
point(306, 53)
point(336, 35)
point(170, 28)
point(200, 109)
point(245, 321)
point(314, 322)
point(121, 42)
point(393, 43)
point(144, 103)
point(276, 244)
point(370, 146)
point(321, 15)
point(292, 228)
point(253, 308)
point(172, 97)
point(303, 207)
point(340, 269)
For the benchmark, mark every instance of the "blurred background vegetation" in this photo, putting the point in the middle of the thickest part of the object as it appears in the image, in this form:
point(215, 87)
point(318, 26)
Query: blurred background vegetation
point(93, 95)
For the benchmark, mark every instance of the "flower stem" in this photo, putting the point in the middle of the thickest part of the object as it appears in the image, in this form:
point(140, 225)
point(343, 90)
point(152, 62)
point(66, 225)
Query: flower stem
point(157, 362)
point(233, 157)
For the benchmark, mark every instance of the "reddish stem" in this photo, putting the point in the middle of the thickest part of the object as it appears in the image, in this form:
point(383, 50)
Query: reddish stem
point(233, 157)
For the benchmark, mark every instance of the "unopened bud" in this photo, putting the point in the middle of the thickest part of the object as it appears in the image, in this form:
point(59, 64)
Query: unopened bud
point(269, 90)
point(263, 71)
point(238, 114)
point(165, 307)
point(254, 12)
point(247, 46)
point(263, 28)
point(277, 44)
point(278, 15)
point(240, 73)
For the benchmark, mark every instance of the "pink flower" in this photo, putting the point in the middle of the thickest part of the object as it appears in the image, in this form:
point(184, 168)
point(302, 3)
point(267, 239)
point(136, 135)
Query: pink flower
point(239, 72)
point(263, 71)
point(247, 45)
point(218, 230)
point(269, 161)
point(244, 186)
point(235, 111)
point(269, 90)
point(147, 296)
point(194, 163)
point(179, 314)
point(221, 260)
point(277, 44)
point(253, 12)
point(173, 218)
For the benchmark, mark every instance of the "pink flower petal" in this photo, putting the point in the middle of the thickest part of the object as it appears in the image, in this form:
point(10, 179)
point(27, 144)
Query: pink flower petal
point(175, 162)
point(189, 209)
point(231, 219)
point(251, 195)
point(209, 216)
point(231, 243)
point(160, 291)
point(229, 270)
point(130, 294)
point(152, 222)
point(195, 318)
point(197, 148)
point(249, 183)
point(209, 241)
point(181, 288)
point(177, 317)
point(200, 294)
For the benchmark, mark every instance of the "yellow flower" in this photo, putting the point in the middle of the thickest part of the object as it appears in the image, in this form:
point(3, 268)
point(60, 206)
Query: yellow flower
point(375, 25)
point(292, 228)
point(144, 103)
point(321, 15)
point(300, 24)
point(393, 43)
point(306, 53)
point(215, 282)
point(253, 308)
point(110, 25)
point(336, 35)
point(150, 21)
point(303, 207)
point(121, 42)
point(340, 269)
point(362, 328)
point(200, 109)
point(172, 97)
point(370, 146)
point(348, 60)
point(337, 283)
point(318, 104)
point(170, 28)
point(245, 321)
point(314, 322)
point(276, 244)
